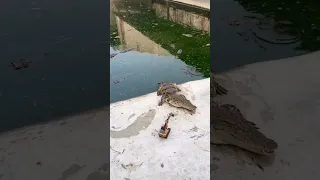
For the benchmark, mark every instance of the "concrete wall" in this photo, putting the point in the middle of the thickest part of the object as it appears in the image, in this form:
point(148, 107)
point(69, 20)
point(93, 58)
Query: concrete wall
point(181, 16)
point(201, 3)
point(132, 38)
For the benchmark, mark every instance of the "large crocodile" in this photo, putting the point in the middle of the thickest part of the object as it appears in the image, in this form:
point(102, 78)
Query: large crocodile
point(230, 127)
point(168, 92)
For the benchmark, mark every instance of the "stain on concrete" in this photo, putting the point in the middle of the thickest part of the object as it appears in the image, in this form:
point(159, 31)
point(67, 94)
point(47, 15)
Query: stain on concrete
point(101, 174)
point(105, 167)
point(309, 105)
point(142, 122)
point(214, 167)
point(72, 170)
point(297, 140)
point(194, 129)
point(63, 123)
point(285, 163)
point(215, 158)
point(131, 116)
point(98, 176)
point(11, 153)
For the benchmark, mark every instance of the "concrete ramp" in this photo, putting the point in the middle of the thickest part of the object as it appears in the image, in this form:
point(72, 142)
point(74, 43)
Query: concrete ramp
point(138, 153)
point(283, 98)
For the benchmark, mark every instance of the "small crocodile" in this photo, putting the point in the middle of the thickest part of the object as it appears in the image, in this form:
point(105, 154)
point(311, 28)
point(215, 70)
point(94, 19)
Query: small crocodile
point(179, 101)
point(230, 127)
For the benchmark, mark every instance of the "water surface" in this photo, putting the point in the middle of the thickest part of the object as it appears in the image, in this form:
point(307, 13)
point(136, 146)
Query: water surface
point(67, 74)
point(248, 31)
point(166, 46)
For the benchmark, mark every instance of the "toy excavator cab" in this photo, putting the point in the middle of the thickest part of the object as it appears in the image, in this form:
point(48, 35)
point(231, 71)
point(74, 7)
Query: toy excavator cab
point(165, 131)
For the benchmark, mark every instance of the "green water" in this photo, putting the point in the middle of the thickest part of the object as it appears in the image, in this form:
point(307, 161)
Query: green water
point(184, 54)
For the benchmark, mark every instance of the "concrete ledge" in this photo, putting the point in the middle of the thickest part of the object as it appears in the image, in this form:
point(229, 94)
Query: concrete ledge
point(200, 3)
point(283, 98)
point(73, 148)
point(138, 153)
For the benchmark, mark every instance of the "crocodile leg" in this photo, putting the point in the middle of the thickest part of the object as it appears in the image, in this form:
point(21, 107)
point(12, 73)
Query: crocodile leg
point(161, 101)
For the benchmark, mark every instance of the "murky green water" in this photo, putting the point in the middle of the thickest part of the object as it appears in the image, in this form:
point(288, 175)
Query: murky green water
point(248, 31)
point(166, 46)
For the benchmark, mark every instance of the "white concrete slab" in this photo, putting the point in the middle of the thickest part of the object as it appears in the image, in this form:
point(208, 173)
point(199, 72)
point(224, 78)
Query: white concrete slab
point(137, 151)
point(283, 98)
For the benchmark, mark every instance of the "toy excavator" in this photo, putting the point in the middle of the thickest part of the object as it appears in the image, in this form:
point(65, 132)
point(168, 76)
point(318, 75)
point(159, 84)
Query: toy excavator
point(165, 131)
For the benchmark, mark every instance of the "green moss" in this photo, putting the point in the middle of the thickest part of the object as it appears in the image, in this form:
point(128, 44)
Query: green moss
point(165, 32)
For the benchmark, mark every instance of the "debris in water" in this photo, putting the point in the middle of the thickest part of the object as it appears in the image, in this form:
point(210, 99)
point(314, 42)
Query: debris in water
point(234, 23)
point(123, 51)
point(62, 39)
point(126, 50)
point(187, 35)
point(35, 9)
point(113, 55)
point(21, 64)
point(116, 81)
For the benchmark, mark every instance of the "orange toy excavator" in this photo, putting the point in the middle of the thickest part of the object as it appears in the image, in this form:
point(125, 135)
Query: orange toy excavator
point(165, 131)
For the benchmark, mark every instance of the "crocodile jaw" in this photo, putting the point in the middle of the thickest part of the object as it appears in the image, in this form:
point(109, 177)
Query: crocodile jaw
point(263, 147)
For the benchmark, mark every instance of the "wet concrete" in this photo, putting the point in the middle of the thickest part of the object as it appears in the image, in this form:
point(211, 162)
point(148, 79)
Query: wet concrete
point(142, 122)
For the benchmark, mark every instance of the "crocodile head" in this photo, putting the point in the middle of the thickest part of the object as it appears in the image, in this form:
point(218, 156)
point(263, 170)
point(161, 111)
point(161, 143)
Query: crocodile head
point(180, 101)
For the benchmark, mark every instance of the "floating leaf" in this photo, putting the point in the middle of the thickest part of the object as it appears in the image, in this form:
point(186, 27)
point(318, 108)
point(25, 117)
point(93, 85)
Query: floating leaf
point(187, 35)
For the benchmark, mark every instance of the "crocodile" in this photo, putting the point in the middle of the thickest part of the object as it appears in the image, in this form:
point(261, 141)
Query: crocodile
point(230, 127)
point(167, 87)
point(179, 101)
